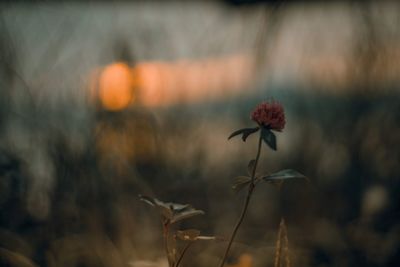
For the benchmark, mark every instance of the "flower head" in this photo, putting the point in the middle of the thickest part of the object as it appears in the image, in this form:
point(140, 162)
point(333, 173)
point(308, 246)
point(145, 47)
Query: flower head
point(270, 115)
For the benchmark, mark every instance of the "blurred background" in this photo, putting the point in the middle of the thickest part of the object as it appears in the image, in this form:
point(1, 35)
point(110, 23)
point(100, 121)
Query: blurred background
point(102, 101)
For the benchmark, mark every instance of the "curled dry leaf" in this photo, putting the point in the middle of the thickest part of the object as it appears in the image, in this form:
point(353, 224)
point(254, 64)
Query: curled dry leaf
point(172, 211)
point(188, 235)
point(240, 182)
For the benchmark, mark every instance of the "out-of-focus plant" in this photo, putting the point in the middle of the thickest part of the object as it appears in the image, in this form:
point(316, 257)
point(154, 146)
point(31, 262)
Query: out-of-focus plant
point(170, 214)
point(270, 117)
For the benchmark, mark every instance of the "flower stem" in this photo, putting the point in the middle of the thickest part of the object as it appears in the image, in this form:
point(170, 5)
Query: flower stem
point(166, 246)
point(183, 253)
point(246, 203)
point(278, 250)
point(286, 239)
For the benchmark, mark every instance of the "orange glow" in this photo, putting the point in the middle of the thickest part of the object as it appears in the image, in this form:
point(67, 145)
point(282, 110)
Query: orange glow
point(149, 83)
point(156, 83)
point(168, 83)
point(116, 86)
point(245, 260)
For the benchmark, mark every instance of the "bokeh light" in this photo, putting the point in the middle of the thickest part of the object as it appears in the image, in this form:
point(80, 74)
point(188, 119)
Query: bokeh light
point(116, 86)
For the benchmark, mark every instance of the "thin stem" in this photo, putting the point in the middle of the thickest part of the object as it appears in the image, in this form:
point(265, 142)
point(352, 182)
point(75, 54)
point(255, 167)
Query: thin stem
point(278, 251)
point(286, 239)
point(165, 234)
point(246, 204)
point(183, 253)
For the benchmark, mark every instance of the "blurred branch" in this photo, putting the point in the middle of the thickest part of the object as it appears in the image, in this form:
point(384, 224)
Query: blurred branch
point(16, 259)
point(269, 25)
point(55, 47)
point(367, 46)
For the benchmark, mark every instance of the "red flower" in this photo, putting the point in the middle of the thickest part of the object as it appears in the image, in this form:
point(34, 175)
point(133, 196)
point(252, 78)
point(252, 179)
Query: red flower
point(270, 115)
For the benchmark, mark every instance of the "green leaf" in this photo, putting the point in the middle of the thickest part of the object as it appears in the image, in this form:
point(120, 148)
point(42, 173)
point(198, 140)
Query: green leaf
point(284, 175)
point(245, 132)
point(240, 182)
point(269, 138)
point(188, 235)
point(250, 166)
point(248, 132)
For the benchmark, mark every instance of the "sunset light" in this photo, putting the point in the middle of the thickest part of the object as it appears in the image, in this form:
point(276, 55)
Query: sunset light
point(234, 133)
point(188, 81)
point(116, 87)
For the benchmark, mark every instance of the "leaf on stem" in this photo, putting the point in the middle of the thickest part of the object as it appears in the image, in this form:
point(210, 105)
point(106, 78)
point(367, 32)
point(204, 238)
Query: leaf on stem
point(186, 214)
point(245, 132)
point(176, 206)
point(284, 175)
point(188, 235)
point(161, 206)
point(207, 238)
point(172, 211)
point(164, 208)
point(240, 182)
point(268, 137)
point(147, 200)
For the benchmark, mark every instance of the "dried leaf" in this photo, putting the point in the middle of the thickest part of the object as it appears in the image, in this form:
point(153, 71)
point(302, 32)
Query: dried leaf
point(166, 212)
point(188, 235)
point(163, 208)
point(206, 238)
point(186, 214)
point(147, 200)
point(177, 207)
point(172, 211)
point(240, 182)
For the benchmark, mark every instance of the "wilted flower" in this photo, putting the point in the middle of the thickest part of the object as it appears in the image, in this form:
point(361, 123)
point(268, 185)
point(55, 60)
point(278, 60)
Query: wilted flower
point(270, 115)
